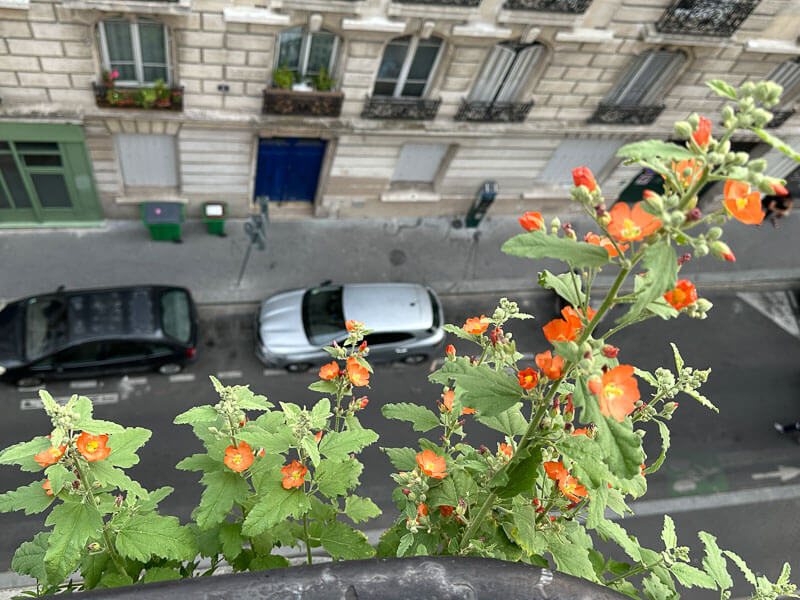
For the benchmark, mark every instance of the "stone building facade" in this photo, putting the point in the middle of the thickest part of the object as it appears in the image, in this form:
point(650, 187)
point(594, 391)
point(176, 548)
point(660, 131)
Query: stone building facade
point(389, 107)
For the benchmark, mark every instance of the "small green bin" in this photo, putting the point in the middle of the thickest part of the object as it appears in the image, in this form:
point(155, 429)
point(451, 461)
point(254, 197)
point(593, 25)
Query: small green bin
point(163, 219)
point(214, 214)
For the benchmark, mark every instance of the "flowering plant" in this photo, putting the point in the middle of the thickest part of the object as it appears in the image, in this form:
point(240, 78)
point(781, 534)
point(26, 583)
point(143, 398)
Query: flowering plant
point(572, 421)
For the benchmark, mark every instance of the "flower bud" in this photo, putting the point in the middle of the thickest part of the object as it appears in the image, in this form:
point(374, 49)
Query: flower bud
point(721, 250)
point(693, 120)
point(567, 427)
point(653, 200)
point(363, 346)
point(694, 215)
point(604, 220)
point(555, 225)
point(93, 547)
point(765, 186)
point(715, 158)
point(670, 408)
point(724, 147)
point(450, 351)
point(742, 158)
point(600, 209)
point(364, 402)
point(546, 423)
point(714, 233)
point(684, 259)
point(758, 165)
point(610, 351)
point(683, 129)
point(727, 112)
point(701, 249)
point(761, 117)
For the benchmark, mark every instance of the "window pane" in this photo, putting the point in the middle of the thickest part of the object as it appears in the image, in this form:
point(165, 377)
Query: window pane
point(392, 62)
point(5, 202)
point(147, 160)
point(320, 53)
point(14, 181)
point(126, 71)
point(423, 62)
point(176, 315)
point(52, 190)
point(383, 88)
point(289, 55)
point(151, 38)
point(413, 89)
point(153, 73)
point(37, 146)
point(118, 38)
point(42, 160)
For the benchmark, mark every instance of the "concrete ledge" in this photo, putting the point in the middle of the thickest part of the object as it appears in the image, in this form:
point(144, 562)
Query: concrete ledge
point(379, 24)
point(770, 46)
point(259, 16)
point(585, 35)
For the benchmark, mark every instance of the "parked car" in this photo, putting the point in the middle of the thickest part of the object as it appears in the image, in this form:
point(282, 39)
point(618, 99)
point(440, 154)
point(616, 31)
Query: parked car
point(87, 333)
point(293, 327)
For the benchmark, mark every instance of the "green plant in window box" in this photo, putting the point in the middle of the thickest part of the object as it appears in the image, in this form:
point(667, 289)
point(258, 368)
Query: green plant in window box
point(163, 93)
point(323, 82)
point(145, 97)
point(283, 78)
point(113, 96)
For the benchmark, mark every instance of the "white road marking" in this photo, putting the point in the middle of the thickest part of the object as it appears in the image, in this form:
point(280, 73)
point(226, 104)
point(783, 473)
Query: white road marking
point(229, 375)
point(271, 372)
point(776, 306)
point(83, 384)
point(30, 388)
point(181, 378)
point(784, 473)
point(36, 404)
point(134, 380)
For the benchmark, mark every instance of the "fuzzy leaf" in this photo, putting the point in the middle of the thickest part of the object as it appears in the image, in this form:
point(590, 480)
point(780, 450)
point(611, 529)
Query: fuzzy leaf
point(92, 567)
point(199, 462)
point(83, 407)
point(521, 476)
point(275, 505)
point(524, 526)
point(197, 415)
point(22, 454)
point(31, 498)
point(479, 386)
point(109, 475)
point(74, 523)
point(270, 561)
point(537, 244)
point(324, 387)
point(661, 263)
point(689, 576)
point(405, 544)
point(360, 509)
point(403, 459)
point(460, 333)
point(320, 413)
point(125, 444)
point(651, 149)
point(713, 562)
point(665, 441)
point(570, 550)
point(342, 541)
point(247, 400)
point(154, 574)
point(511, 422)
point(150, 534)
point(722, 88)
point(654, 589)
point(610, 530)
point(335, 477)
point(309, 444)
point(268, 433)
point(564, 285)
point(223, 488)
point(421, 418)
point(230, 534)
point(340, 445)
point(58, 476)
point(668, 533)
point(29, 559)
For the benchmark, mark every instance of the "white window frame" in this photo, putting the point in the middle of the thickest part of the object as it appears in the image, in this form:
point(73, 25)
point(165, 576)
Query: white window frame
point(637, 68)
point(305, 51)
point(138, 64)
point(411, 52)
point(506, 83)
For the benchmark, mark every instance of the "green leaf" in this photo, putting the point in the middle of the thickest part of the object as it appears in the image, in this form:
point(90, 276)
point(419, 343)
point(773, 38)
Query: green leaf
point(150, 534)
point(275, 505)
point(689, 576)
point(570, 550)
point(320, 414)
point(199, 462)
point(564, 285)
point(668, 533)
point(403, 459)
point(247, 400)
point(342, 541)
point(85, 422)
point(460, 333)
point(223, 488)
point(521, 476)
point(713, 562)
point(537, 244)
point(114, 579)
point(360, 509)
point(665, 441)
point(58, 476)
point(405, 544)
point(324, 387)
point(109, 475)
point(335, 477)
point(776, 143)
point(480, 387)
point(22, 454)
point(651, 149)
point(511, 422)
point(654, 589)
point(268, 432)
point(197, 415)
point(270, 561)
point(661, 263)
point(530, 541)
point(420, 417)
point(31, 498)
point(74, 523)
point(125, 444)
point(29, 559)
point(230, 534)
point(154, 574)
point(309, 444)
point(92, 567)
point(340, 445)
point(610, 530)
point(723, 89)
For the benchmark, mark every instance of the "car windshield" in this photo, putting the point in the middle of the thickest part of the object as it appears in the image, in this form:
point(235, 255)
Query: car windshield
point(323, 318)
point(176, 315)
point(45, 326)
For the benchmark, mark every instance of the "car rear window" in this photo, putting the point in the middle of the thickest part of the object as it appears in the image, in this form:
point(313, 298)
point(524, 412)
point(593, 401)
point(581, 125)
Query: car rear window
point(45, 326)
point(176, 315)
point(323, 318)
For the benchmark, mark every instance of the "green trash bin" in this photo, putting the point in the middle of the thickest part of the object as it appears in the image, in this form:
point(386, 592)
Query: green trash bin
point(163, 219)
point(214, 214)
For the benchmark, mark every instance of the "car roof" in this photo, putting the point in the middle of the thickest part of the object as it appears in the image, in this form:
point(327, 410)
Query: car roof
point(388, 306)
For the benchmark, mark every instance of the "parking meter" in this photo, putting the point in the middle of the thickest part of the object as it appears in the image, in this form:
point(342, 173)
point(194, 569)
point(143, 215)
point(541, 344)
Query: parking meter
point(486, 195)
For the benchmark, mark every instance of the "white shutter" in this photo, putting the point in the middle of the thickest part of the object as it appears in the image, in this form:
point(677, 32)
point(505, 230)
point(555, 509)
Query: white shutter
point(645, 79)
point(595, 154)
point(527, 59)
point(147, 160)
point(787, 75)
point(419, 163)
point(492, 74)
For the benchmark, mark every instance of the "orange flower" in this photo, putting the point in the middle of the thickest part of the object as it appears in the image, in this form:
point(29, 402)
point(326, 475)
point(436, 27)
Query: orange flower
point(779, 189)
point(573, 317)
point(446, 510)
point(559, 330)
point(507, 450)
point(584, 176)
point(293, 475)
point(422, 511)
point(432, 464)
point(475, 325)
point(50, 456)
point(531, 221)
point(528, 378)
point(682, 295)
point(696, 169)
point(468, 411)
point(567, 484)
point(357, 373)
point(93, 447)
point(318, 436)
point(46, 487)
point(450, 350)
point(555, 470)
point(604, 242)
point(352, 325)
point(447, 400)
point(703, 133)
point(631, 225)
point(238, 459)
point(329, 371)
point(581, 431)
point(742, 204)
point(551, 366)
point(619, 392)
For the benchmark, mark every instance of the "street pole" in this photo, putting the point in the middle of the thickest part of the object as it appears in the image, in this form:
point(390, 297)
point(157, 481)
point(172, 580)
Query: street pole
point(255, 229)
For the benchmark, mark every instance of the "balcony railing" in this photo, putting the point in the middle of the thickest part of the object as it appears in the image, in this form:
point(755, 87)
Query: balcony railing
point(719, 18)
point(502, 112)
point(147, 98)
point(314, 104)
point(388, 107)
point(626, 114)
point(562, 6)
point(462, 3)
point(779, 117)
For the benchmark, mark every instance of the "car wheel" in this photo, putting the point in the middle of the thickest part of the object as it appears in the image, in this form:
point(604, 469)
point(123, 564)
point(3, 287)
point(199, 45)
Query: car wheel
point(170, 369)
point(414, 359)
point(298, 367)
point(29, 381)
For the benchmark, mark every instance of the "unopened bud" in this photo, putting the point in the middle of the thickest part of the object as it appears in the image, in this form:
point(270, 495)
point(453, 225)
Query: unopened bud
point(555, 225)
point(670, 408)
point(604, 220)
point(535, 502)
point(742, 158)
point(600, 209)
point(540, 510)
point(610, 351)
point(450, 351)
point(693, 120)
point(483, 449)
point(653, 201)
point(714, 233)
point(727, 112)
point(363, 402)
point(546, 423)
point(93, 547)
point(406, 491)
point(721, 250)
point(567, 427)
point(684, 259)
point(758, 165)
point(701, 249)
point(556, 404)
point(694, 215)
point(683, 129)
point(363, 346)
point(761, 117)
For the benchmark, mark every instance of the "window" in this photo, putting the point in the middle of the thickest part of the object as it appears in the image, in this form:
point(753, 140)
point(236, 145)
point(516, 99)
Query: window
point(176, 315)
point(407, 66)
point(505, 72)
point(147, 160)
point(646, 78)
point(305, 53)
point(323, 318)
point(137, 51)
point(595, 154)
point(419, 163)
point(387, 337)
point(88, 352)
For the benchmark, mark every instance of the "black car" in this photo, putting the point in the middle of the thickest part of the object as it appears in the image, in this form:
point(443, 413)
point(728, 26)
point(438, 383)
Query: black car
point(86, 333)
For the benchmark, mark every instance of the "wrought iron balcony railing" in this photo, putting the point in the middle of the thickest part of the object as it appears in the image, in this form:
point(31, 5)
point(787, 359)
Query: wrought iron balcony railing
point(502, 112)
point(147, 98)
point(719, 18)
point(314, 104)
point(388, 107)
point(562, 6)
point(462, 3)
point(626, 114)
point(779, 117)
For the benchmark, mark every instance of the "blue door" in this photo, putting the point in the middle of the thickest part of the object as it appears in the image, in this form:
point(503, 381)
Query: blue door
point(288, 168)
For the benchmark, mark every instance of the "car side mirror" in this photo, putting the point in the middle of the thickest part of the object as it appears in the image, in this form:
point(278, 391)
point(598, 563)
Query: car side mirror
point(325, 283)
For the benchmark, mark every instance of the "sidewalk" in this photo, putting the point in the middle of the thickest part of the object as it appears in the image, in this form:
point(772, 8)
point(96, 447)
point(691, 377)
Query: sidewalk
point(303, 253)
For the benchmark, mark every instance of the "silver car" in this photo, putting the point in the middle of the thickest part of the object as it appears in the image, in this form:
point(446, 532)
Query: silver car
point(405, 319)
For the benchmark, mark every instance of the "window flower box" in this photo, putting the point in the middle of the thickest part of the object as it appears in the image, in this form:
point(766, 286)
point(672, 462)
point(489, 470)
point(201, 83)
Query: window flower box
point(315, 103)
point(144, 98)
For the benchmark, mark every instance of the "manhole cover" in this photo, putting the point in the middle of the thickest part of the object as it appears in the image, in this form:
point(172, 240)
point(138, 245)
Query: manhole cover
point(397, 257)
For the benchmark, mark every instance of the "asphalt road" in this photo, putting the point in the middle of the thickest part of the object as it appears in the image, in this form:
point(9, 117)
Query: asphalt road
point(735, 459)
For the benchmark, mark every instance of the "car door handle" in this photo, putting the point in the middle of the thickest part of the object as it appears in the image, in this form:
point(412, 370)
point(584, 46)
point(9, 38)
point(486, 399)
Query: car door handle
point(401, 350)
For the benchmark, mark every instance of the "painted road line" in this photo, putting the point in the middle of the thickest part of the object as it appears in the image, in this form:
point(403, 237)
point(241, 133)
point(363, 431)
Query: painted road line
point(30, 388)
point(83, 384)
point(229, 375)
point(272, 372)
point(134, 380)
point(36, 404)
point(181, 378)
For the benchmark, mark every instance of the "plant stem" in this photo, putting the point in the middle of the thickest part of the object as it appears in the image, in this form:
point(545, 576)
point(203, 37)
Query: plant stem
point(640, 568)
point(307, 538)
